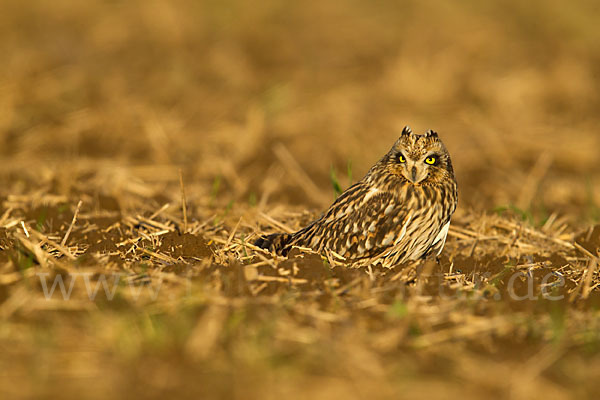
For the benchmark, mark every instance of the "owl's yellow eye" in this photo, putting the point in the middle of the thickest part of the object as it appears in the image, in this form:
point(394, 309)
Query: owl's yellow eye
point(430, 160)
point(401, 159)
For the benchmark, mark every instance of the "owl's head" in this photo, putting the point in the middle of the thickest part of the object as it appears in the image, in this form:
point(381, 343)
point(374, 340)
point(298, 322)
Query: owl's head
point(420, 159)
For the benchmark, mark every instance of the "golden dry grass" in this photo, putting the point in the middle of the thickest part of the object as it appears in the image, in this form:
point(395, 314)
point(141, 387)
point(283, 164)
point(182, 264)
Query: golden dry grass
point(245, 109)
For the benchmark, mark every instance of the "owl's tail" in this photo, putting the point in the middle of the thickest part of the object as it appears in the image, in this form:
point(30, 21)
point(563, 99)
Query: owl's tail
point(275, 242)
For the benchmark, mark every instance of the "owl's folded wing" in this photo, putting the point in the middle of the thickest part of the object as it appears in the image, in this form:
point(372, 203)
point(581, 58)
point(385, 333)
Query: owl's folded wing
point(362, 223)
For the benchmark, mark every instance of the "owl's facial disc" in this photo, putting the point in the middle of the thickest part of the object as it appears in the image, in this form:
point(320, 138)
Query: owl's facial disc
point(414, 170)
point(420, 159)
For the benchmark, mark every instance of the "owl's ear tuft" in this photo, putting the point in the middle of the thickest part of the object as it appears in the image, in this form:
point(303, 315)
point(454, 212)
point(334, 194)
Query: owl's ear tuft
point(431, 133)
point(406, 130)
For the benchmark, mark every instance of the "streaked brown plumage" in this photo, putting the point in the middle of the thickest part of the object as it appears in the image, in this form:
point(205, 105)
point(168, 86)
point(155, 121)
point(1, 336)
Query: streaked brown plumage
point(400, 211)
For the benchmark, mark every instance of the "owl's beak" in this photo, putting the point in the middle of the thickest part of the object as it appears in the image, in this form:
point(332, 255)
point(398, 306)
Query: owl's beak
point(413, 174)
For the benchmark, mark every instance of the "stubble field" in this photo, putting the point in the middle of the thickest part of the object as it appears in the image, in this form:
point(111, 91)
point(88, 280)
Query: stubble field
point(144, 146)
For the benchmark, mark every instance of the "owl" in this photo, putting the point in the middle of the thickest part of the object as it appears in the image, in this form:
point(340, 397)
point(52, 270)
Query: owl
point(400, 211)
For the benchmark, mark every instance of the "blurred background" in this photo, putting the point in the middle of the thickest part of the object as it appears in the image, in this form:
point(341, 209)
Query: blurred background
point(232, 90)
point(267, 105)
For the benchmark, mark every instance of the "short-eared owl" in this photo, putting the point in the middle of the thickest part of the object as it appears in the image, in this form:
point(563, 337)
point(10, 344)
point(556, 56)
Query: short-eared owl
point(399, 211)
